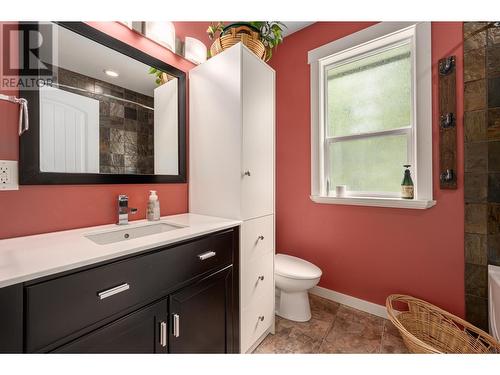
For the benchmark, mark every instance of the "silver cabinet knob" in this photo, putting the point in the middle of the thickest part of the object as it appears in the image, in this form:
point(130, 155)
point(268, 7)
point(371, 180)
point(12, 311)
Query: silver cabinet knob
point(261, 237)
point(261, 318)
point(247, 173)
point(261, 278)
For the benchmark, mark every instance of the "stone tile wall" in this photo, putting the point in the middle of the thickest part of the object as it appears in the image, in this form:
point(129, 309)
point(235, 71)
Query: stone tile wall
point(482, 164)
point(126, 130)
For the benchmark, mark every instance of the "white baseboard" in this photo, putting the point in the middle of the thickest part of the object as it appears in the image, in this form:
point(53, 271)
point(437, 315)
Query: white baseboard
point(369, 307)
point(269, 331)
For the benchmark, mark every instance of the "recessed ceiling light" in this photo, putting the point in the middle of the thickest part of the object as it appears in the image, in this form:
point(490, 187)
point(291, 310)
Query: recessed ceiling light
point(111, 73)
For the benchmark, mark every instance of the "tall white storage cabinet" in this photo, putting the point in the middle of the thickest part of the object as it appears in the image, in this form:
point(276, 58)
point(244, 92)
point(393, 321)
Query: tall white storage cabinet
point(231, 170)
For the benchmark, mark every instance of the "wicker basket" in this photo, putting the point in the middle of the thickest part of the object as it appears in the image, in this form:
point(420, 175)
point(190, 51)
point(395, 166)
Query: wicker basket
point(426, 328)
point(243, 34)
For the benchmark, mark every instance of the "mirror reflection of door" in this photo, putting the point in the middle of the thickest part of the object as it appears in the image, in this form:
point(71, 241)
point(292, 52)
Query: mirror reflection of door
point(165, 128)
point(69, 135)
point(106, 114)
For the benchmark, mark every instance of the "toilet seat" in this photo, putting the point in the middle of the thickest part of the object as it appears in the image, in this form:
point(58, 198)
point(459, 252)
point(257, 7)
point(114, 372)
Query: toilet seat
point(295, 268)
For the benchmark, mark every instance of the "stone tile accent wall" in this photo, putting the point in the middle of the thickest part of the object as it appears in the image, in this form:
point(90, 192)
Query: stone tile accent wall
point(482, 165)
point(126, 130)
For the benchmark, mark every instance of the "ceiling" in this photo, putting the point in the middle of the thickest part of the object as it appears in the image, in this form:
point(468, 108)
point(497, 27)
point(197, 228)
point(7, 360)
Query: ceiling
point(292, 27)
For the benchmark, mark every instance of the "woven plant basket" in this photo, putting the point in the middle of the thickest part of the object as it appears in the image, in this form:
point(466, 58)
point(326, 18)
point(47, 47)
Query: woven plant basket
point(243, 34)
point(426, 328)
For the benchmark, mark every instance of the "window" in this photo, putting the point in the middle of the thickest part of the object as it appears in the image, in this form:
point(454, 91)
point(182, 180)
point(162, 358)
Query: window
point(371, 114)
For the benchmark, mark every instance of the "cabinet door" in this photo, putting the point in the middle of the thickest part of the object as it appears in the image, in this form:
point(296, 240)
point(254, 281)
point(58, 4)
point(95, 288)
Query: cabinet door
point(215, 135)
point(11, 319)
point(258, 138)
point(201, 316)
point(143, 331)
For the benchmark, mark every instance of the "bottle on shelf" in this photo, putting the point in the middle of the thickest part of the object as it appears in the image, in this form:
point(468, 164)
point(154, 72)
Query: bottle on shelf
point(407, 184)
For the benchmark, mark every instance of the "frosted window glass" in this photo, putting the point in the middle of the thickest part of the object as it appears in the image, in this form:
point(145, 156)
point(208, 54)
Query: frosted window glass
point(370, 94)
point(373, 164)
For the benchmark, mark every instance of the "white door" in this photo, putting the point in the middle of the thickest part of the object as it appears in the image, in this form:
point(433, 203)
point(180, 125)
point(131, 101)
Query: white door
point(258, 138)
point(69, 132)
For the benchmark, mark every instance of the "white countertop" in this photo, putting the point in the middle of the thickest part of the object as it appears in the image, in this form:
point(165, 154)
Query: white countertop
point(31, 257)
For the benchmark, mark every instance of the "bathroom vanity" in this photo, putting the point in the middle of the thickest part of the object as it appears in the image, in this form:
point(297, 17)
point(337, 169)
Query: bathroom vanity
point(176, 291)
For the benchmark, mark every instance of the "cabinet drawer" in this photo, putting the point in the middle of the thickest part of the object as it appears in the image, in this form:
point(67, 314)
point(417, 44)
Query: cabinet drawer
point(257, 280)
point(60, 308)
point(257, 237)
point(255, 320)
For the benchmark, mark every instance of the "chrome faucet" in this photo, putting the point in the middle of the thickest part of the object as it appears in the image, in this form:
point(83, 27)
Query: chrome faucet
point(123, 210)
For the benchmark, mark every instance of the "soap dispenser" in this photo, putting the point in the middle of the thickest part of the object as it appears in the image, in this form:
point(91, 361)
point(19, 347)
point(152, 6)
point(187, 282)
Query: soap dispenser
point(153, 206)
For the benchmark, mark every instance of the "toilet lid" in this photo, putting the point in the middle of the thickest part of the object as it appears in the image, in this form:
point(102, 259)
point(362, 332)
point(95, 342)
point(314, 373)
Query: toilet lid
point(295, 268)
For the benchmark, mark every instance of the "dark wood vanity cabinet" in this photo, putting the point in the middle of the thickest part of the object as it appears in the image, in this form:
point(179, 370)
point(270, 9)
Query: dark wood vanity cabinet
point(183, 298)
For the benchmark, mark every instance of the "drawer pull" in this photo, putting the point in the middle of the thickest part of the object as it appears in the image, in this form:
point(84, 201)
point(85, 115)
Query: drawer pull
point(163, 334)
point(247, 173)
point(261, 318)
point(261, 278)
point(261, 237)
point(113, 291)
point(176, 325)
point(208, 254)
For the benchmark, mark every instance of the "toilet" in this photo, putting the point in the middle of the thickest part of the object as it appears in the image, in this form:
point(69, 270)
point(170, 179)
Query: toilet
point(494, 300)
point(294, 277)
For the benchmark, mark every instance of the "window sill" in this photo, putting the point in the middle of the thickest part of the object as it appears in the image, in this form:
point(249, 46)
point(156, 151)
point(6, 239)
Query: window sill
point(376, 202)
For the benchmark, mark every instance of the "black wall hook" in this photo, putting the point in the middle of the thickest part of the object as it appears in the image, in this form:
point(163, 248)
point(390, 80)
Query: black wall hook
point(447, 120)
point(447, 176)
point(446, 65)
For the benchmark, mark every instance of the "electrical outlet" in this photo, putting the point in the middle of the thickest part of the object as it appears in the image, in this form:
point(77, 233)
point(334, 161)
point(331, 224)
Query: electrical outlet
point(8, 175)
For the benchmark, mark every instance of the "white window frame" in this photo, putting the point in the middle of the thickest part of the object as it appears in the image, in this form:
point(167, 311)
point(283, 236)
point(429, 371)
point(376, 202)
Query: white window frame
point(420, 139)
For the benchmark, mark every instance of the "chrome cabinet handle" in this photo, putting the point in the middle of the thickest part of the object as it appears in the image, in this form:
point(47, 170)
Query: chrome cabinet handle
point(208, 254)
point(176, 325)
point(261, 318)
point(163, 334)
point(247, 173)
point(261, 278)
point(113, 291)
point(261, 237)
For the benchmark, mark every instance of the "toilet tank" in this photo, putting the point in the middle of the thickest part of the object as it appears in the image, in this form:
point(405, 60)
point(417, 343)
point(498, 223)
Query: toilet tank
point(494, 300)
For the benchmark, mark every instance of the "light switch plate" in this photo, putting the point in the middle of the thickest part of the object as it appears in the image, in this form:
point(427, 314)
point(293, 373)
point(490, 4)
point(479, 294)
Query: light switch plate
point(9, 175)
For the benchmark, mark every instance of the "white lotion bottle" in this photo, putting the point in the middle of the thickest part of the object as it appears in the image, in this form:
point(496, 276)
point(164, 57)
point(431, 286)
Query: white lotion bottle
point(153, 206)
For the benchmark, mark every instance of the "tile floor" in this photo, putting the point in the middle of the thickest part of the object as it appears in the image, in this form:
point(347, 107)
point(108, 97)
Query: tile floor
point(333, 328)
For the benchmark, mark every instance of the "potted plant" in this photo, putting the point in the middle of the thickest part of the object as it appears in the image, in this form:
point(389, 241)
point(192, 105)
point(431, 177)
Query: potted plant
point(161, 77)
point(261, 37)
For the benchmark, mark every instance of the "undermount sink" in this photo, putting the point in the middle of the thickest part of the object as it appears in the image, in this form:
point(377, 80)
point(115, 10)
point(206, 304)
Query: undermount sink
point(118, 235)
